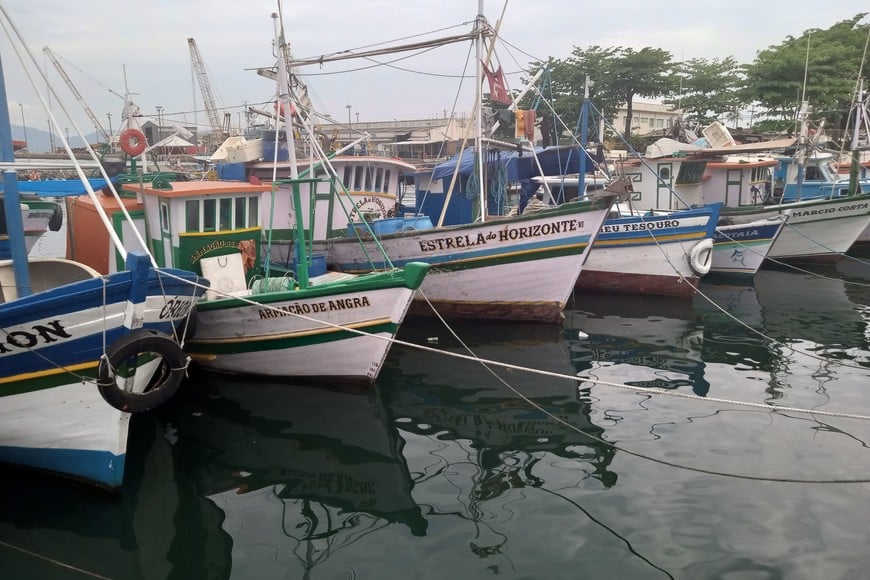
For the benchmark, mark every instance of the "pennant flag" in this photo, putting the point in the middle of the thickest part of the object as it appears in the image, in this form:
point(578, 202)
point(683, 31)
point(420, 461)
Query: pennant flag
point(497, 90)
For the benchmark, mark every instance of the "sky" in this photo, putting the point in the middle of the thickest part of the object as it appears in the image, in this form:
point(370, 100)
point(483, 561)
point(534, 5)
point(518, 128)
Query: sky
point(111, 47)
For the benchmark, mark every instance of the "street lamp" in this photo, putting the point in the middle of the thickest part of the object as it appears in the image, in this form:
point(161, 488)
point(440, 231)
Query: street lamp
point(348, 107)
point(159, 122)
point(24, 125)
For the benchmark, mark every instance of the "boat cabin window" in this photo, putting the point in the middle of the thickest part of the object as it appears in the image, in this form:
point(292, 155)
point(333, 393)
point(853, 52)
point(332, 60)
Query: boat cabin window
point(812, 173)
point(358, 178)
point(209, 215)
point(241, 211)
point(191, 215)
point(226, 214)
point(691, 172)
point(164, 217)
point(368, 183)
point(222, 214)
point(665, 173)
point(348, 177)
point(379, 178)
point(387, 181)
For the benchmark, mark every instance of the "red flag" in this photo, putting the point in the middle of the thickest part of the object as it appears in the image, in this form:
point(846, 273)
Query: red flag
point(497, 90)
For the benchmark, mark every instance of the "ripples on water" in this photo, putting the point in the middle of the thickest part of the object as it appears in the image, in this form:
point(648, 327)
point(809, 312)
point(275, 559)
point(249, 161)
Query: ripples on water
point(447, 469)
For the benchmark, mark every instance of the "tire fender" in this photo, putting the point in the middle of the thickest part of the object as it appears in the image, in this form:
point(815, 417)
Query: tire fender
point(162, 386)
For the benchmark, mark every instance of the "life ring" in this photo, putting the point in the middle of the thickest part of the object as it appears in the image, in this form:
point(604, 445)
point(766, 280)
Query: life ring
point(165, 382)
point(701, 257)
point(132, 142)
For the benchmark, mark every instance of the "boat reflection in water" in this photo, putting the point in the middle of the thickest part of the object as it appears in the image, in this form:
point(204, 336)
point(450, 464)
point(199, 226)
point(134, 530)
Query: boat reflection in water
point(299, 471)
point(653, 342)
point(155, 527)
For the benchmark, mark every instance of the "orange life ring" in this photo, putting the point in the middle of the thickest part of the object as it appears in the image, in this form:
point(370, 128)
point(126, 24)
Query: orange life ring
point(132, 142)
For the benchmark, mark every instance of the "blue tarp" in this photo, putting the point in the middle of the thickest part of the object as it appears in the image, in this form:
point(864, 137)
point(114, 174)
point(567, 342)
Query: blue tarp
point(553, 160)
point(58, 187)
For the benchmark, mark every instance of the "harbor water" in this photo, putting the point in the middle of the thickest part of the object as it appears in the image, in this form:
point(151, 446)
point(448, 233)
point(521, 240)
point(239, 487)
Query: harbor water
point(453, 468)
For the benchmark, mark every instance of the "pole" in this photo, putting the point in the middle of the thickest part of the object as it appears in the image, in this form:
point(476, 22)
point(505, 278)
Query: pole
point(24, 126)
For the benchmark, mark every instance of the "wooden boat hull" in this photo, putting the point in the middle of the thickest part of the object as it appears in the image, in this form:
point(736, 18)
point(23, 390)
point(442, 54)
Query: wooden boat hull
point(53, 415)
point(740, 250)
point(519, 268)
point(320, 332)
point(649, 254)
point(817, 231)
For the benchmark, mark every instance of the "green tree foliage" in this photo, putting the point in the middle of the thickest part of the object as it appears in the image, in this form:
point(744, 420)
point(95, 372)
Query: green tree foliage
point(618, 75)
point(708, 89)
point(828, 59)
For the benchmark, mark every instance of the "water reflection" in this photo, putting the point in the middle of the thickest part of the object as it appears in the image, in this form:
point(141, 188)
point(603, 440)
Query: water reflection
point(300, 472)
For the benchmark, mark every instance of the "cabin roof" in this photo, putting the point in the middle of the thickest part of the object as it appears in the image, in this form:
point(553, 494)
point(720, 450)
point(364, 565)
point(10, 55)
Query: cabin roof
point(198, 188)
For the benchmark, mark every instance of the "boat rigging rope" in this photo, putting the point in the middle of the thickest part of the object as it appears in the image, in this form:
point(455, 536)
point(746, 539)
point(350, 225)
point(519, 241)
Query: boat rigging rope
point(53, 561)
point(485, 363)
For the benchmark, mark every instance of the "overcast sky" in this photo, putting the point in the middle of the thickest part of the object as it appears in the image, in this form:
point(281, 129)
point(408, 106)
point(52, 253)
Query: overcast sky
point(98, 40)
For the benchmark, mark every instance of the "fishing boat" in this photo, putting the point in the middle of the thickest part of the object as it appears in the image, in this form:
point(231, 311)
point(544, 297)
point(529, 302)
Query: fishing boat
point(79, 352)
point(263, 316)
point(38, 216)
point(817, 230)
point(739, 250)
point(486, 266)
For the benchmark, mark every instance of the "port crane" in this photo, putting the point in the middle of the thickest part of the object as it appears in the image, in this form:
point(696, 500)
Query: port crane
point(101, 132)
point(208, 101)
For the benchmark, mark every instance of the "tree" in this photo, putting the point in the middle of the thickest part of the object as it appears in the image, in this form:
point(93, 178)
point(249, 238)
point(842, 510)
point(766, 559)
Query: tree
point(619, 74)
point(820, 66)
point(709, 88)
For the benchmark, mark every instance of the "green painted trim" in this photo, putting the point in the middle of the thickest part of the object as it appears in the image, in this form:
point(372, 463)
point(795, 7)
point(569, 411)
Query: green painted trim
point(202, 348)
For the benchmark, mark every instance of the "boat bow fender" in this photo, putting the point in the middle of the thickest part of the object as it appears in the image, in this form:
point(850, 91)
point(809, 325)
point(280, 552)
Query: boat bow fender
point(701, 257)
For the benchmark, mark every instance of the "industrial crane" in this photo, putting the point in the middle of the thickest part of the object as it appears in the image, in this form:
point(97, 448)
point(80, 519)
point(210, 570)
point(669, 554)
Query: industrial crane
point(103, 135)
point(205, 87)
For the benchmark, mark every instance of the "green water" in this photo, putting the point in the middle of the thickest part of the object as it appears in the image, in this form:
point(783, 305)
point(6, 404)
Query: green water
point(449, 469)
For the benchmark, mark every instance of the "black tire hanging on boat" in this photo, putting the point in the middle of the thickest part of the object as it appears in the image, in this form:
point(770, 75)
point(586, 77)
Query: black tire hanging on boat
point(162, 386)
point(55, 222)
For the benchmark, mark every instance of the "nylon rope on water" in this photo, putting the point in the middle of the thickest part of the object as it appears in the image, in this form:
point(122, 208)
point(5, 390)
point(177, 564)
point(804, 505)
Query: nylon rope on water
point(773, 478)
point(53, 561)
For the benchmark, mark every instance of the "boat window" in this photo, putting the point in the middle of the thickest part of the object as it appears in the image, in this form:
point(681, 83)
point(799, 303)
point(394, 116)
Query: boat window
point(348, 177)
point(358, 178)
point(253, 211)
point(191, 213)
point(368, 184)
point(164, 217)
point(209, 215)
point(665, 173)
point(226, 214)
point(241, 205)
point(387, 181)
point(812, 173)
point(379, 178)
point(691, 172)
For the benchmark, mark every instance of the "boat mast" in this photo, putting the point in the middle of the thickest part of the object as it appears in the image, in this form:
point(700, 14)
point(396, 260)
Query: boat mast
point(584, 139)
point(14, 224)
point(478, 141)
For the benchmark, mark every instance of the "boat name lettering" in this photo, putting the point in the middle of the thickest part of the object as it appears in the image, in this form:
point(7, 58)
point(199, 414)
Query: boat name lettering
point(827, 210)
point(315, 307)
point(212, 246)
point(44, 334)
point(735, 235)
point(639, 226)
point(176, 308)
point(365, 201)
point(504, 235)
point(332, 482)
